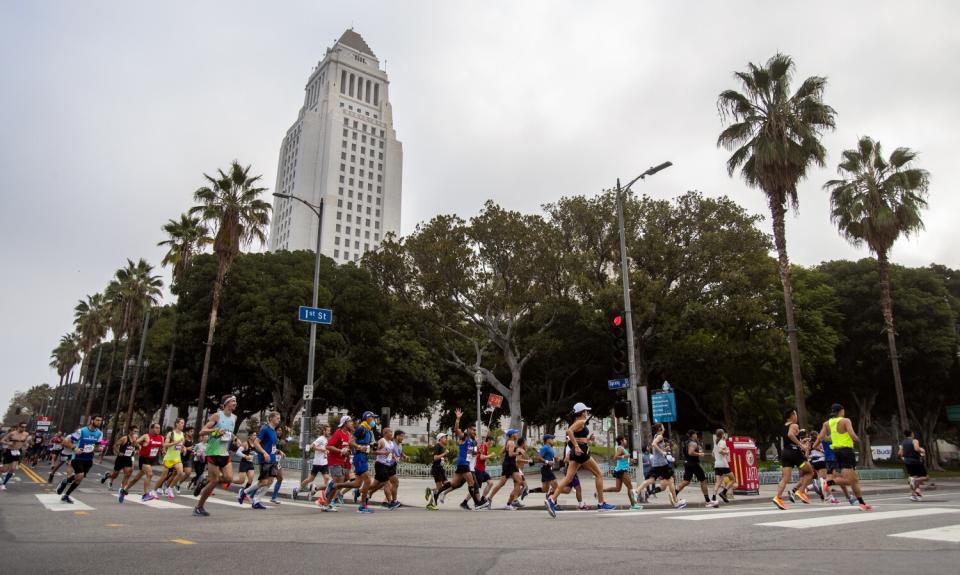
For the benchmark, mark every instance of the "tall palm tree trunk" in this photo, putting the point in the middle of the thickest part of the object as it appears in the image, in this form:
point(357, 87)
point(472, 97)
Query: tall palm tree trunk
point(886, 303)
point(217, 288)
point(65, 398)
point(56, 398)
point(123, 381)
point(169, 377)
point(106, 384)
point(778, 211)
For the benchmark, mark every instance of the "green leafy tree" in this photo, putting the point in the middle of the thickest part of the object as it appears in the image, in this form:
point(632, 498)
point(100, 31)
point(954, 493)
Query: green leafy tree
point(35, 401)
point(878, 200)
point(775, 138)
point(231, 204)
point(64, 358)
point(90, 318)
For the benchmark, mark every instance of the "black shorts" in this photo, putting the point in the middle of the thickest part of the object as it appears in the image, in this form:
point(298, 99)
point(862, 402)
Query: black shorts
point(383, 472)
point(792, 458)
point(220, 461)
point(246, 466)
point(9, 457)
point(547, 475)
point(81, 465)
point(149, 461)
point(187, 463)
point(832, 466)
point(319, 470)
point(846, 458)
point(619, 473)
point(268, 470)
point(481, 477)
point(721, 471)
point(818, 465)
point(438, 473)
point(583, 457)
point(916, 469)
point(462, 469)
point(691, 470)
point(199, 465)
point(662, 472)
point(122, 462)
point(509, 469)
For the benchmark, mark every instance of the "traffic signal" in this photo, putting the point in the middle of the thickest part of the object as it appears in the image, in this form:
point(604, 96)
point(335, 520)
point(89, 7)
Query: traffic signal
point(618, 344)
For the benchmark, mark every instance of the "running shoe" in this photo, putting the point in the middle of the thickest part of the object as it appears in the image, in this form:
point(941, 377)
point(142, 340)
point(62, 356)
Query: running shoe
point(170, 494)
point(852, 500)
point(790, 496)
point(66, 499)
point(103, 478)
point(465, 506)
point(817, 488)
point(824, 486)
point(779, 503)
point(713, 504)
point(432, 507)
point(484, 504)
point(524, 493)
point(258, 505)
point(3, 487)
point(914, 498)
point(328, 491)
point(506, 507)
point(200, 512)
point(583, 506)
point(551, 507)
point(833, 500)
point(241, 496)
point(427, 494)
point(606, 507)
point(636, 507)
point(364, 509)
point(802, 497)
point(294, 493)
point(177, 488)
point(274, 501)
point(148, 497)
point(322, 499)
point(121, 495)
point(865, 507)
point(681, 504)
point(518, 504)
point(356, 495)
point(396, 505)
point(226, 485)
point(328, 509)
point(723, 495)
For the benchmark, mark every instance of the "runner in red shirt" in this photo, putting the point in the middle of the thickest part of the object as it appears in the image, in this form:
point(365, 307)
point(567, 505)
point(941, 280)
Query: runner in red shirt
point(479, 465)
point(150, 445)
point(338, 457)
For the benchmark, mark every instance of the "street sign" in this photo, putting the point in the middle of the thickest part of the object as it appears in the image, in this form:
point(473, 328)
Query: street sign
point(664, 407)
point(43, 423)
point(494, 400)
point(316, 315)
point(953, 412)
point(618, 384)
point(308, 392)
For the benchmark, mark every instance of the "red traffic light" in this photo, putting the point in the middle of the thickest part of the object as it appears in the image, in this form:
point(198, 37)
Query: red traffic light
point(617, 320)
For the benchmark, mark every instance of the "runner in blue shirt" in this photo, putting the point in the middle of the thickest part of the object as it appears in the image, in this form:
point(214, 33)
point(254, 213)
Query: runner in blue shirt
point(466, 451)
point(86, 441)
point(265, 444)
point(547, 456)
point(361, 441)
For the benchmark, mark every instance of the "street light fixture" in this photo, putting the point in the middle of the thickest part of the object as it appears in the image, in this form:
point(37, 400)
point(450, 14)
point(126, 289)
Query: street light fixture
point(638, 395)
point(304, 423)
point(478, 379)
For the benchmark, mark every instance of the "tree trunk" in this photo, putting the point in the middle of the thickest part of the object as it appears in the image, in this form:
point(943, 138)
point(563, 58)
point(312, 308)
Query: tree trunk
point(865, 405)
point(217, 288)
point(123, 382)
point(167, 379)
point(778, 211)
point(92, 386)
point(106, 384)
point(886, 303)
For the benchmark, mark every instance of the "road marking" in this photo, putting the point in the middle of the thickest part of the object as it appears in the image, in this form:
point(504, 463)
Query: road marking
point(53, 503)
point(183, 541)
point(79, 513)
point(234, 503)
point(760, 512)
point(31, 474)
point(858, 518)
point(157, 503)
point(115, 525)
point(950, 534)
point(623, 513)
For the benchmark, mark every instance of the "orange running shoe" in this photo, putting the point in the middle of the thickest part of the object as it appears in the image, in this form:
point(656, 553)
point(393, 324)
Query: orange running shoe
point(865, 507)
point(779, 503)
point(801, 496)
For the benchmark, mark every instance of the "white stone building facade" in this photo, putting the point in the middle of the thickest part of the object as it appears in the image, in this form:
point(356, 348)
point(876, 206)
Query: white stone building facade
point(342, 150)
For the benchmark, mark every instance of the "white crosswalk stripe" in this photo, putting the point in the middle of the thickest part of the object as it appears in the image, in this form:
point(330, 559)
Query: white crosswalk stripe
point(950, 534)
point(157, 503)
point(866, 517)
point(761, 513)
point(52, 502)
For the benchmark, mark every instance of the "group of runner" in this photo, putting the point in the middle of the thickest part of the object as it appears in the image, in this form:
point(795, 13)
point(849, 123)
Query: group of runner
point(824, 460)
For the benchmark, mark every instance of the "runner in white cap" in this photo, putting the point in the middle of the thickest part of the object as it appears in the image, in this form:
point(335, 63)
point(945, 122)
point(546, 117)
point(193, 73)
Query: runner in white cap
point(579, 440)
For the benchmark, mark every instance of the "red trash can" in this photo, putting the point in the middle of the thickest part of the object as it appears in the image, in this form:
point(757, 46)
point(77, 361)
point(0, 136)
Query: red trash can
point(743, 464)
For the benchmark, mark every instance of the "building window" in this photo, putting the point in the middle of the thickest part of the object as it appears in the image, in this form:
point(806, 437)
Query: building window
point(352, 169)
point(362, 139)
point(338, 228)
point(380, 167)
point(345, 131)
point(343, 155)
point(368, 211)
point(356, 257)
point(366, 235)
point(336, 240)
point(341, 178)
point(336, 253)
point(343, 167)
point(352, 82)
point(350, 194)
point(346, 121)
point(376, 237)
point(378, 213)
point(370, 187)
point(378, 201)
point(376, 95)
point(379, 189)
point(346, 255)
point(368, 222)
point(348, 230)
point(349, 205)
point(339, 215)
point(379, 177)
point(340, 202)
point(356, 244)
point(340, 191)
point(366, 247)
point(349, 218)
point(353, 158)
point(381, 133)
point(381, 144)
point(376, 225)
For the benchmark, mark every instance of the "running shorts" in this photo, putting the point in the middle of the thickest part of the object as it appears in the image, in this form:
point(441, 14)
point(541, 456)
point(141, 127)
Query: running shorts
point(9, 457)
point(338, 471)
point(818, 465)
point(619, 473)
point(187, 463)
point(792, 458)
point(462, 469)
point(383, 472)
point(721, 471)
point(246, 466)
point(220, 461)
point(438, 473)
point(481, 477)
point(846, 458)
point(171, 463)
point(583, 457)
point(319, 470)
point(547, 475)
point(151, 461)
point(122, 462)
point(509, 469)
point(832, 466)
point(662, 472)
point(360, 465)
point(575, 482)
point(916, 469)
point(691, 470)
point(268, 470)
point(81, 465)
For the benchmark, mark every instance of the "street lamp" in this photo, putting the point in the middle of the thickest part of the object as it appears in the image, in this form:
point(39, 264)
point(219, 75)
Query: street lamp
point(638, 395)
point(304, 424)
point(478, 379)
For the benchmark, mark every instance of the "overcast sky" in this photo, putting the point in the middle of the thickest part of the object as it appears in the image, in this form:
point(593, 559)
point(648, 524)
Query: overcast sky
point(111, 111)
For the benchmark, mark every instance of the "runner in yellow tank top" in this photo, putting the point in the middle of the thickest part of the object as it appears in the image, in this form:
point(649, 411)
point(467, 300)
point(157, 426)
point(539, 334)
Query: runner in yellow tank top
point(843, 437)
point(172, 460)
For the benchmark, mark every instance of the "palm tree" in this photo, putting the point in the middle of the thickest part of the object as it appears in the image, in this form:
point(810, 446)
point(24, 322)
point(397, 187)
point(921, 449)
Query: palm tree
point(64, 357)
point(879, 200)
point(90, 319)
point(231, 203)
point(775, 137)
point(186, 238)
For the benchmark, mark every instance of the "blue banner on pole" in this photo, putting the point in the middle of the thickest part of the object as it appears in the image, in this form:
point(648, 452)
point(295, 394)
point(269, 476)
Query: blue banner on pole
point(613, 384)
point(316, 315)
point(664, 407)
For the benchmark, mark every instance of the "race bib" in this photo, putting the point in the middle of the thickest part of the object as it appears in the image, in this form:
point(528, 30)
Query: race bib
point(226, 436)
point(128, 452)
point(153, 451)
point(177, 447)
point(273, 449)
point(88, 448)
point(14, 452)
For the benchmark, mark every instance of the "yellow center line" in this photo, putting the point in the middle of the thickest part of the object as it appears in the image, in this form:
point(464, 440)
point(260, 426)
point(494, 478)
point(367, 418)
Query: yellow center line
point(79, 513)
point(183, 542)
point(31, 474)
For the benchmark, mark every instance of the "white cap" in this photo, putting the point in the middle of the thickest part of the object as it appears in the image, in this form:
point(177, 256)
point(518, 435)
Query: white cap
point(441, 436)
point(344, 420)
point(580, 407)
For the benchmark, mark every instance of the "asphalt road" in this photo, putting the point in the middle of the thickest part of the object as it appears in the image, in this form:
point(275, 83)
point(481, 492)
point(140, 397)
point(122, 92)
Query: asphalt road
point(100, 535)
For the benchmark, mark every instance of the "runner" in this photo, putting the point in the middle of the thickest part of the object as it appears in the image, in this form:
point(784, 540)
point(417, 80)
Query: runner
point(721, 466)
point(510, 470)
point(60, 455)
point(621, 471)
point(173, 443)
point(912, 455)
point(361, 442)
point(466, 449)
point(150, 444)
point(186, 458)
point(479, 467)
point(278, 480)
point(320, 466)
point(385, 469)
point(13, 444)
point(661, 458)
point(247, 468)
point(338, 455)
point(522, 462)
point(37, 446)
point(398, 456)
point(578, 438)
point(842, 438)
point(692, 452)
point(547, 457)
point(265, 444)
point(833, 472)
point(792, 456)
point(86, 441)
point(818, 461)
point(437, 471)
point(123, 450)
point(199, 464)
point(572, 486)
point(219, 434)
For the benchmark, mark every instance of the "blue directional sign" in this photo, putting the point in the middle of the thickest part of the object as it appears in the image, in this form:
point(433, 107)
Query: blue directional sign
point(618, 384)
point(316, 315)
point(664, 407)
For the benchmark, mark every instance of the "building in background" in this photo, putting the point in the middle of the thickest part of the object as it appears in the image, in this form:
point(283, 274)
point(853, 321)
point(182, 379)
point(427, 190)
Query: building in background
point(343, 150)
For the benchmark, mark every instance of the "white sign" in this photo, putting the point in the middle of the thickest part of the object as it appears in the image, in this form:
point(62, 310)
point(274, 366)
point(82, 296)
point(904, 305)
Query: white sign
point(308, 392)
point(881, 452)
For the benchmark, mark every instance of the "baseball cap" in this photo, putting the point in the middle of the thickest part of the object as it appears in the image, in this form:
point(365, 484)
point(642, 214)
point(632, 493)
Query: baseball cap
point(367, 414)
point(344, 420)
point(580, 407)
point(547, 436)
point(441, 436)
point(512, 431)
point(835, 408)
